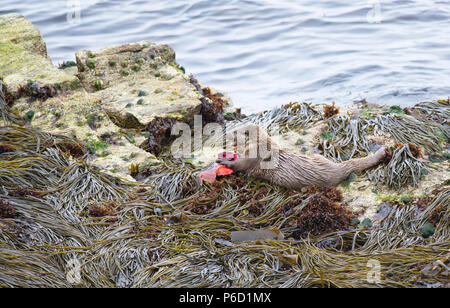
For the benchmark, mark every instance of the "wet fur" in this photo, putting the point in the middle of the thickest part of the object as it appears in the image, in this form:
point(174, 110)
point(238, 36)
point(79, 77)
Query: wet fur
point(294, 171)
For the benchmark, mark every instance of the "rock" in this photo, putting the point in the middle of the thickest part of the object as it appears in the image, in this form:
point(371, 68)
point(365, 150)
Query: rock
point(109, 96)
point(427, 230)
point(366, 223)
point(16, 29)
point(80, 114)
point(141, 79)
point(243, 236)
point(23, 57)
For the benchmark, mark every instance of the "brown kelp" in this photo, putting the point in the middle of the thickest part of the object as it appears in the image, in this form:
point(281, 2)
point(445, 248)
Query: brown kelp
point(405, 167)
point(212, 104)
point(405, 129)
point(159, 130)
point(66, 223)
point(435, 113)
point(292, 116)
point(345, 137)
point(5, 108)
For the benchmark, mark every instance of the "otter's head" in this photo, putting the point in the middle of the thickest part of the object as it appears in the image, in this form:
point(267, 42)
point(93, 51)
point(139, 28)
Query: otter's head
point(251, 141)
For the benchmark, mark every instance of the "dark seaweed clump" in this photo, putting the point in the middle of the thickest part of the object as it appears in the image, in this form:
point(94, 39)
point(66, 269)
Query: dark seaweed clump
point(202, 204)
point(206, 201)
point(101, 210)
point(6, 148)
point(330, 110)
point(36, 90)
point(210, 111)
point(4, 92)
point(414, 149)
point(257, 207)
point(25, 191)
point(247, 195)
point(439, 211)
point(75, 149)
point(160, 134)
point(321, 212)
point(140, 173)
point(6, 210)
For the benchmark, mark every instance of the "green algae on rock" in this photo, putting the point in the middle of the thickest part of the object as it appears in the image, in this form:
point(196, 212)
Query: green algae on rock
point(60, 200)
point(23, 56)
point(119, 84)
point(16, 29)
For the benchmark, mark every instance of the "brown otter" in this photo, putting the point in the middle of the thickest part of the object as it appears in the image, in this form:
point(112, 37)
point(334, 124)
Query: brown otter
point(291, 170)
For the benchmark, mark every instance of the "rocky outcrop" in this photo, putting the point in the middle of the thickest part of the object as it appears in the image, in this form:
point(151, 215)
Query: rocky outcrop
point(23, 58)
point(109, 100)
point(141, 79)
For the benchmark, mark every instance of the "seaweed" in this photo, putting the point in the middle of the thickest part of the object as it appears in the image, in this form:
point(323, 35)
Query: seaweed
point(168, 231)
point(141, 172)
point(35, 90)
point(330, 110)
point(436, 111)
point(75, 149)
point(294, 116)
point(6, 101)
point(101, 210)
point(349, 138)
point(6, 210)
point(6, 148)
point(25, 191)
point(212, 104)
point(212, 110)
point(321, 212)
point(160, 135)
point(404, 167)
point(437, 214)
point(6, 95)
point(405, 129)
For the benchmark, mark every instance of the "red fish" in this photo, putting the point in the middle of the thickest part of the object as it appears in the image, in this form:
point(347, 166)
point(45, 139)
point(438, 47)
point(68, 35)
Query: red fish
point(214, 170)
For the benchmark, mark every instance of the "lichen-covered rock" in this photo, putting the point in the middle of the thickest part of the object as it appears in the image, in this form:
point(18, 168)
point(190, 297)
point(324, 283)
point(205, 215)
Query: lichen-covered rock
point(80, 114)
point(16, 29)
point(23, 57)
point(141, 79)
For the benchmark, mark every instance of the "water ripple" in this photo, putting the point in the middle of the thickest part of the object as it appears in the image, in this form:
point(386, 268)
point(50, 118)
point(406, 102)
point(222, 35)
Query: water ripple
point(266, 53)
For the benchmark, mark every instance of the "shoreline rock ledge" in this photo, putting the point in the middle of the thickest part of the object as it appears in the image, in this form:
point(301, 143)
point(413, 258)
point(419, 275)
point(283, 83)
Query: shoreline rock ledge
point(106, 99)
point(23, 56)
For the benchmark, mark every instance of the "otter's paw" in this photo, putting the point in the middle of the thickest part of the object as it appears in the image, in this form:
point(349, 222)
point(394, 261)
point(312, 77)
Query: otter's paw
point(381, 153)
